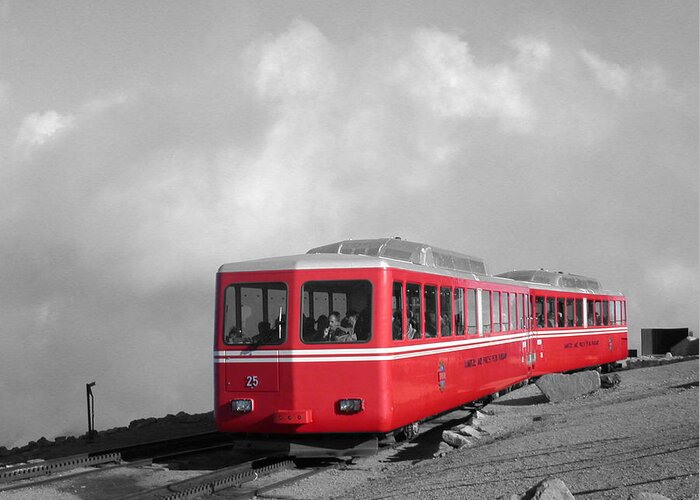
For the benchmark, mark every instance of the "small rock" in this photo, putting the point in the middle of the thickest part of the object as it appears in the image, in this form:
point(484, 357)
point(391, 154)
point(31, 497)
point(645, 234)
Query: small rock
point(643, 495)
point(455, 439)
point(443, 449)
point(609, 380)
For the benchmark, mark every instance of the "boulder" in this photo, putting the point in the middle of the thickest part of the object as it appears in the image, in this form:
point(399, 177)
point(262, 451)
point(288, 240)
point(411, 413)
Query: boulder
point(455, 439)
point(467, 430)
point(550, 489)
point(558, 387)
point(609, 380)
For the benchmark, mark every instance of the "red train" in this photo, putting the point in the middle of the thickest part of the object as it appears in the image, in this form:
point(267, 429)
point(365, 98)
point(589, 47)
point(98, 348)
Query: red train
point(372, 336)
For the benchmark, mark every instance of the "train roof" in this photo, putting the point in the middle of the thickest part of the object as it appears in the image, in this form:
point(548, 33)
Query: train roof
point(403, 254)
point(419, 254)
point(558, 280)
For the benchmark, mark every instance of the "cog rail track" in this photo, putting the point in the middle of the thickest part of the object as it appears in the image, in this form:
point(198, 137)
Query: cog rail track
point(136, 454)
point(243, 481)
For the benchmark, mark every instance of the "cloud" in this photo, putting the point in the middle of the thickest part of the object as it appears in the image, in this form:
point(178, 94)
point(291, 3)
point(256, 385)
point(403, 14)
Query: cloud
point(440, 72)
point(4, 94)
point(39, 129)
point(534, 55)
point(296, 65)
point(623, 81)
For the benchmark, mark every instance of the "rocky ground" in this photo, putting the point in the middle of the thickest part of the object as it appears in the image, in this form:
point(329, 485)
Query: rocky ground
point(640, 436)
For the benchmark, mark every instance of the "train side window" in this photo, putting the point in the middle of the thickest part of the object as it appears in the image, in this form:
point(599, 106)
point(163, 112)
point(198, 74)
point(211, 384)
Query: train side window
point(445, 312)
point(598, 314)
point(471, 311)
point(522, 309)
point(591, 312)
point(496, 311)
point(606, 312)
point(352, 297)
point(504, 311)
point(397, 311)
point(611, 307)
point(560, 312)
point(551, 312)
point(413, 305)
point(569, 312)
point(539, 311)
point(430, 296)
point(624, 312)
point(579, 312)
point(618, 312)
point(459, 311)
point(486, 311)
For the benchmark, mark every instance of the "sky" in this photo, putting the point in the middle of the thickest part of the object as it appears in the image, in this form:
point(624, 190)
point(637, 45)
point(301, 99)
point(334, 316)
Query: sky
point(144, 144)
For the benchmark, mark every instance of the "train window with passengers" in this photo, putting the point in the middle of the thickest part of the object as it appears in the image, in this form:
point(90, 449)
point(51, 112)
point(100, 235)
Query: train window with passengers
point(430, 296)
point(569, 312)
point(579, 312)
point(397, 311)
point(255, 313)
point(606, 310)
point(539, 311)
point(598, 314)
point(560, 312)
point(336, 311)
point(413, 312)
point(551, 313)
point(459, 311)
point(445, 311)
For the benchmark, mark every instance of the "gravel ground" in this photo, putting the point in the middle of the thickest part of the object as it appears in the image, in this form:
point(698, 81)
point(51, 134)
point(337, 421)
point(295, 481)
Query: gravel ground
point(639, 436)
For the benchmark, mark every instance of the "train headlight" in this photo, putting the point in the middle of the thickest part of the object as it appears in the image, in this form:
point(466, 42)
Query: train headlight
point(242, 405)
point(350, 405)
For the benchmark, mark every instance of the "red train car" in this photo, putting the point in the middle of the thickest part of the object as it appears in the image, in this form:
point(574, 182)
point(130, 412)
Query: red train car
point(372, 336)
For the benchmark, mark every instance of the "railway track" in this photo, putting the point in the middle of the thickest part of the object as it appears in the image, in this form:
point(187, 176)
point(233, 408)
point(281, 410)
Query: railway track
point(135, 472)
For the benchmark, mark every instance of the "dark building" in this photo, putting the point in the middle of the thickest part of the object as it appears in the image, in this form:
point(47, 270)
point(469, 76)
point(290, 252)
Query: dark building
point(660, 340)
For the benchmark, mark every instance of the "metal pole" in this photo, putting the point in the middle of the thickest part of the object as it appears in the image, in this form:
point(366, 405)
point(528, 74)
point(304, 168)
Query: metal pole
point(90, 411)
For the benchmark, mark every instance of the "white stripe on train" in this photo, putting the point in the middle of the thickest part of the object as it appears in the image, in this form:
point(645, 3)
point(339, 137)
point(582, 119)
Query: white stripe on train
point(392, 353)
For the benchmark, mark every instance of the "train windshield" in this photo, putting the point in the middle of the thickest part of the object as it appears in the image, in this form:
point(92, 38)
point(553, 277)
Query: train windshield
point(255, 313)
point(336, 311)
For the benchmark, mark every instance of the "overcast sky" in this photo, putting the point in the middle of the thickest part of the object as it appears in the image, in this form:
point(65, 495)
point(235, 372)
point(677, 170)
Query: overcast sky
point(143, 144)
